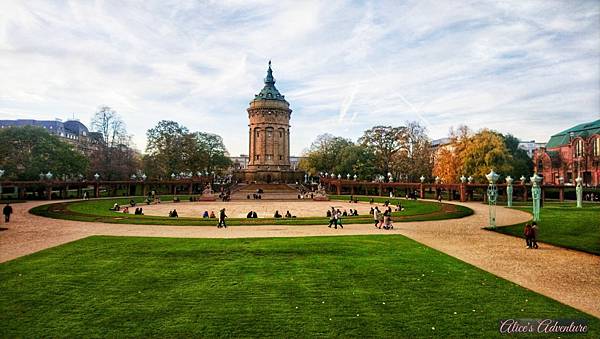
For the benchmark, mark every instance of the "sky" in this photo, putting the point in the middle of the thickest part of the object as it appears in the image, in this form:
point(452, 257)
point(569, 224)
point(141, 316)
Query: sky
point(529, 68)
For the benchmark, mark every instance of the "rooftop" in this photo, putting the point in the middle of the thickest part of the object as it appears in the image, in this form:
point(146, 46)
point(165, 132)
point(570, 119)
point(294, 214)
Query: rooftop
point(269, 92)
point(582, 130)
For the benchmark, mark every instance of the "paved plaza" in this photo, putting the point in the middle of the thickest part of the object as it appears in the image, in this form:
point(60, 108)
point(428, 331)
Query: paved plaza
point(568, 276)
point(263, 208)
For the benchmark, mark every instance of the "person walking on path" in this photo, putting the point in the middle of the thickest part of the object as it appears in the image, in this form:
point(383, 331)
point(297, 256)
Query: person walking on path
point(534, 234)
point(332, 220)
point(376, 216)
point(338, 219)
point(222, 217)
point(527, 232)
point(7, 211)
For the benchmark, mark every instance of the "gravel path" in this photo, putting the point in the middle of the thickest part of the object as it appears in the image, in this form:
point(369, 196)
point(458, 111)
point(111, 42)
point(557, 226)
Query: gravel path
point(570, 277)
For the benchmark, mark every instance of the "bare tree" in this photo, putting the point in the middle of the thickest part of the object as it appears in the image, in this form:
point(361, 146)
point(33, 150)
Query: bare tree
point(113, 158)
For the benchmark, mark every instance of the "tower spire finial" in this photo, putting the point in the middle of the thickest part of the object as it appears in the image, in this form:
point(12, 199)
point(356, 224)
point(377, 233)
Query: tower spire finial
point(269, 79)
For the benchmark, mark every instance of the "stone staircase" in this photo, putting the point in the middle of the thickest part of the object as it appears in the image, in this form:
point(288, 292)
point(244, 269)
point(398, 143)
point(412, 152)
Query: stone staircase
point(270, 192)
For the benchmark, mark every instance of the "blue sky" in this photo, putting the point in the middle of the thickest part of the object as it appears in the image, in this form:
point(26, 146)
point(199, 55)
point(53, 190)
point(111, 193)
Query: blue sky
point(530, 68)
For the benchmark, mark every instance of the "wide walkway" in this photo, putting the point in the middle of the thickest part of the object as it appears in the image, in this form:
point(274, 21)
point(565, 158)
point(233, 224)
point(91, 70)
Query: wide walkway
point(568, 276)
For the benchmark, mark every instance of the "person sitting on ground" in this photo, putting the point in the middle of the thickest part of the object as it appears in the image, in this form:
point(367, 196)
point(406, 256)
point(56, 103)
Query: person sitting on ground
point(212, 215)
point(371, 211)
point(132, 203)
point(205, 214)
point(249, 215)
point(328, 214)
point(254, 215)
point(115, 207)
point(355, 213)
point(345, 214)
point(126, 210)
point(173, 214)
point(371, 201)
point(176, 199)
point(277, 215)
point(141, 211)
point(248, 196)
point(288, 214)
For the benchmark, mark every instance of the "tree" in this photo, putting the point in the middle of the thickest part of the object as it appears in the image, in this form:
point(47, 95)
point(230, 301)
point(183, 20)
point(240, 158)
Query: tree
point(324, 154)
point(167, 149)
point(171, 148)
point(25, 152)
point(521, 162)
point(384, 142)
point(414, 157)
point(485, 151)
point(113, 158)
point(212, 151)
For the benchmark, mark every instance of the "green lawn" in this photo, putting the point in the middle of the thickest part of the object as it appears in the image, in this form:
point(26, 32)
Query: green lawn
point(565, 225)
point(359, 286)
point(98, 210)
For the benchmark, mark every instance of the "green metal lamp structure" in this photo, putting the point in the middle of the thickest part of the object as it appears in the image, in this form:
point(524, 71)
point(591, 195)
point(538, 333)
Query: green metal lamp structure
point(536, 194)
point(492, 193)
point(509, 191)
point(579, 191)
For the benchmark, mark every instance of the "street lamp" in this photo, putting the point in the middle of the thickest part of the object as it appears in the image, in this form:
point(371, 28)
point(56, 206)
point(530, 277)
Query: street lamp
point(422, 178)
point(561, 180)
point(133, 177)
point(536, 191)
point(144, 176)
point(355, 176)
point(509, 190)
point(437, 180)
point(348, 176)
point(339, 177)
point(96, 176)
point(1, 173)
point(49, 175)
point(579, 191)
point(463, 179)
point(172, 175)
point(492, 193)
point(523, 180)
point(470, 179)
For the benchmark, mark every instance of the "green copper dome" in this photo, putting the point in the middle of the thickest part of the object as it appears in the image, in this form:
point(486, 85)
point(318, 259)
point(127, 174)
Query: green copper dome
point(269, 92)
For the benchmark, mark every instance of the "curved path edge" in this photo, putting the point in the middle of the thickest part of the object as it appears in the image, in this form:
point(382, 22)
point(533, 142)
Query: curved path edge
point(569, 276)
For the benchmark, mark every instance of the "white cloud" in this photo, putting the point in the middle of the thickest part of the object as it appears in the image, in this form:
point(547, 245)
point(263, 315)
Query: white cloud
point(344, 66)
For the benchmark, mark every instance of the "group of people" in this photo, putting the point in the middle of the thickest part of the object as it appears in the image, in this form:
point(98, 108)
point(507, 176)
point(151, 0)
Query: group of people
point(335, 218)
point(352, 213)
point(531, 233)
point(206, 215)
point(173, 214)
point(382, 219)
point(251, 214)
point(255, 196)
point(287, 215)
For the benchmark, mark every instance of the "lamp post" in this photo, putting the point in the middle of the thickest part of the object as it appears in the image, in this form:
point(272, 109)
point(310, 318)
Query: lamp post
point(579, 191)
point(470, 179)
point(437, 180)
point(509, 191)
point(49, 175)
point(463, 179)
point(348, 176)
point(422, 178)
point(536, 192)
point(492, 193)
point(523, 180)
point(339, 177)
point(355, 176)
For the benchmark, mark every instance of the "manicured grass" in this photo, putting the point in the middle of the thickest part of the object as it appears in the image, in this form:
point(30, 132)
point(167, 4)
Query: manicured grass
point(565, 225)
point(359, 286)
point(98, 210)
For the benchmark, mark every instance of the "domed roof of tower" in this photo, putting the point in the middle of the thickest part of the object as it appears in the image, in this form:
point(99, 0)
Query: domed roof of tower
point(269, 92)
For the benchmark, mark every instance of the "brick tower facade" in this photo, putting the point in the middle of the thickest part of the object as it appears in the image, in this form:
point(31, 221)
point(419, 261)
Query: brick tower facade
point(269, 137)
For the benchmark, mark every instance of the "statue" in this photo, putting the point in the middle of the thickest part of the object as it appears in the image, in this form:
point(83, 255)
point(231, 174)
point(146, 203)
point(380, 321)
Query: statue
point(579, 191)
point(536, 194)
point(509, 190)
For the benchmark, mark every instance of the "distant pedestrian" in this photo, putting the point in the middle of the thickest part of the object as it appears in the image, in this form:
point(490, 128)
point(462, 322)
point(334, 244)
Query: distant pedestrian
point(534, 234)
point(527, 233)
point(222, 217)
point(376, 216)
point(7, 211)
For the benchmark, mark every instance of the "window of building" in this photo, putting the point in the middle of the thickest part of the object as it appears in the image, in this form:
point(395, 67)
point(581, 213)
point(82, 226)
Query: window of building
point(596, 147)
point(269, 157)
point(269, 133)
point(579, 148)
point(257, 134)
point(280, 134)
point(280, 157)
point(257, 157)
